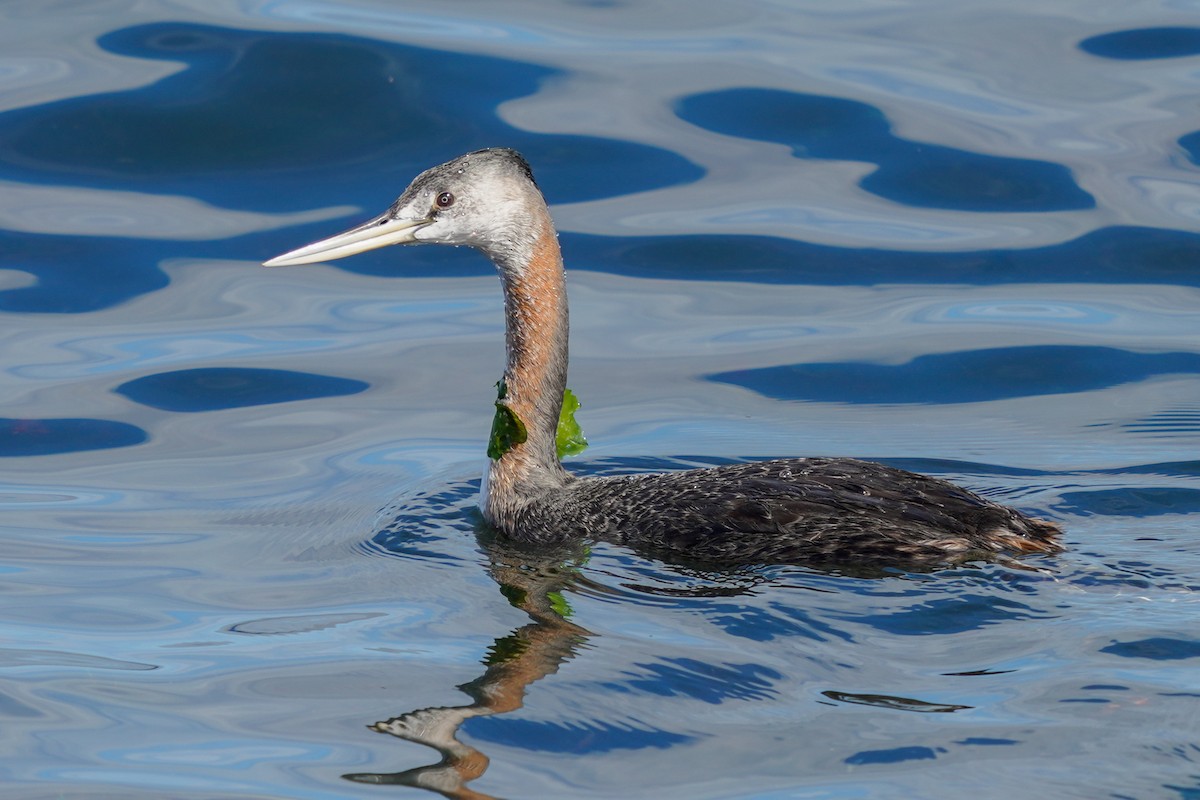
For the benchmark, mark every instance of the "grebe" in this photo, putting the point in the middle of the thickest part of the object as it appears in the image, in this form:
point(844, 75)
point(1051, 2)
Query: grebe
point(796, 510)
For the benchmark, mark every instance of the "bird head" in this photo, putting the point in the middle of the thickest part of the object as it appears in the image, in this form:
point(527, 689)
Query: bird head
point(482, 199)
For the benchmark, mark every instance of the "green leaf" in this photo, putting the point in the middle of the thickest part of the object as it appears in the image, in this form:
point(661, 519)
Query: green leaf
point(559, 605)
point(569, 439)
point(505, 649)
point(507, 429)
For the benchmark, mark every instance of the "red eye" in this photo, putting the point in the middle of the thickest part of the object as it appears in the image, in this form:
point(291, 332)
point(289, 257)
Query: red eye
point(445, 200)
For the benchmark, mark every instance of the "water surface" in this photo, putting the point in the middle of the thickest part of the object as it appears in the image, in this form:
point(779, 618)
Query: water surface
point(240, 548)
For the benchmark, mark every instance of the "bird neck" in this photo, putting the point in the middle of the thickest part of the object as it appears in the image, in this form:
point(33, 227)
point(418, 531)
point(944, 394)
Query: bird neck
point(535, 376)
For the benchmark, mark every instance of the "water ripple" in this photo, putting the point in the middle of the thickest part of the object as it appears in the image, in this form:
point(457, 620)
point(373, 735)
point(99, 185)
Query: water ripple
point(918, 174)
point(392, 118)
point(1138, 44)
point(217, 388)
point(39, 437)
point(966, 376)
point(213, 605)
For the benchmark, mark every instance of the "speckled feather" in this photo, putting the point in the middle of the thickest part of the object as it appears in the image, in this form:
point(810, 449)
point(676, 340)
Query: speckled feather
point(801, 510)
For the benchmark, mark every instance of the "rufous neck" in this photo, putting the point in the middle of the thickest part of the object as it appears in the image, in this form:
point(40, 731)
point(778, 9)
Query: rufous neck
point(535, 375)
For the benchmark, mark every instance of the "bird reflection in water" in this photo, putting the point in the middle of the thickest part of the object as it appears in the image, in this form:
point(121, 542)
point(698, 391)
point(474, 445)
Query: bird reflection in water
point(535, 580)
point(531, 581)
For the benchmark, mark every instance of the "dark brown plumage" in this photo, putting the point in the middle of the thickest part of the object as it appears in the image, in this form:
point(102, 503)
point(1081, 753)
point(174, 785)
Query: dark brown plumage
point(797, 510)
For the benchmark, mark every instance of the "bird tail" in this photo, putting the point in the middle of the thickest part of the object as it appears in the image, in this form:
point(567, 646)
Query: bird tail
point(1029, 535)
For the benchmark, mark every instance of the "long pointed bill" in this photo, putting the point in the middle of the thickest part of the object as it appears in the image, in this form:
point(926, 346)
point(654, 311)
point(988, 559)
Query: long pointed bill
point(379, 232)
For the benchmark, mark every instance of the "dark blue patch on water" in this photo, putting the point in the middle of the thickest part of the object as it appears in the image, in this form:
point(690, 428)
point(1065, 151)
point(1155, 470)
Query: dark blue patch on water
point(321, 119)
point(277, 122)
point(1167, 468)
point(216, 388)
point(1144, 43)
point(1092, 700)
point(893, 756)
point(913, 173)
point(948, 615)
point(1186, 792)
point(948, 465)
point(587, 737)
point(969, 376)
point(40, 437)
point(1156, 648)
point(1191, 144)
point(88, 274)
point(78, 274)
point(1106, 255)
point(1131, 501)
point(761, 625)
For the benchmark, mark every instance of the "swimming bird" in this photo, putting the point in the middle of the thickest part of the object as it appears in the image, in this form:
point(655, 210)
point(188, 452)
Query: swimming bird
point(794, 510)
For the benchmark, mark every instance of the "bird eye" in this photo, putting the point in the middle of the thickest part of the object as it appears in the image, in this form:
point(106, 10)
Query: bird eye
point(445, 200)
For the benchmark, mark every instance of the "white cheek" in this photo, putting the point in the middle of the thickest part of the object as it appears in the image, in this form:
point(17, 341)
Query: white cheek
point(448, 232)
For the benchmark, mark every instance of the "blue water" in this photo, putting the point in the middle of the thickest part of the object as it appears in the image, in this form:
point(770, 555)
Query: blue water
point(239, 547)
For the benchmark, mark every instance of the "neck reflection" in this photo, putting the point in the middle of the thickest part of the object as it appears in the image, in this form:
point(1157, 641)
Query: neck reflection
point(533, 582)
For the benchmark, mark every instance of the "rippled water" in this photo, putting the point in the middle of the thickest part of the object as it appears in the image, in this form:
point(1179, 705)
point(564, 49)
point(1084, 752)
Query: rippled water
point(239, 545)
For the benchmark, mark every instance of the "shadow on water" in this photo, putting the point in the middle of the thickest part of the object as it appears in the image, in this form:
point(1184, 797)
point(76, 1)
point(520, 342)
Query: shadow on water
point(40, 437)
point(1143, 44)
point(914, 173)
point(217, 388)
